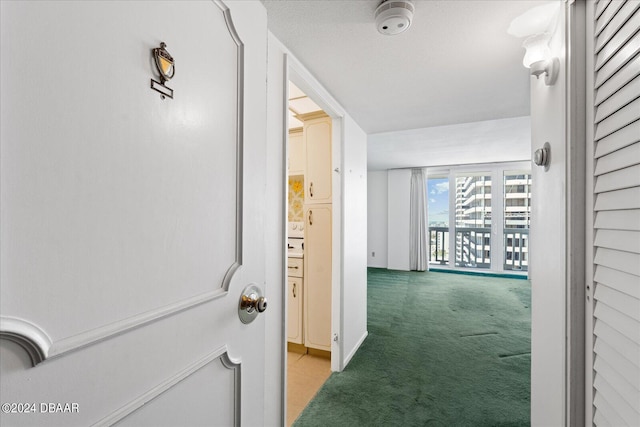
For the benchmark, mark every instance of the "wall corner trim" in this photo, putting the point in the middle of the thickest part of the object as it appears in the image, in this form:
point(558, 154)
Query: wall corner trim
point(27, 335)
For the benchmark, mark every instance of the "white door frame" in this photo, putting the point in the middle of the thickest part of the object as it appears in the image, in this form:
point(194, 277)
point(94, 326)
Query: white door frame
point(590, 215)
point(298, 74)
point(576, 202)
point(558, 287)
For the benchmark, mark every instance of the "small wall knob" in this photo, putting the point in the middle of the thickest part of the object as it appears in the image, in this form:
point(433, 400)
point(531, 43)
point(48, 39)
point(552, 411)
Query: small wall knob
point(542, 156)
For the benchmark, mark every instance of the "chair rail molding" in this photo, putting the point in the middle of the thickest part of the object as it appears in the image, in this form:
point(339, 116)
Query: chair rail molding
point(33, 339)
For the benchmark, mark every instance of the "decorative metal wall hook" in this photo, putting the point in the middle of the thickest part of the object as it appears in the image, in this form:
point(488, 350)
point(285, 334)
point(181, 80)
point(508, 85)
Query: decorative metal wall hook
point(166, 69)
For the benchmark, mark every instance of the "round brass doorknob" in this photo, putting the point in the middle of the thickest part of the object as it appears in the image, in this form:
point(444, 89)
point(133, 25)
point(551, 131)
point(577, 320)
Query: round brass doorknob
point(252, 302)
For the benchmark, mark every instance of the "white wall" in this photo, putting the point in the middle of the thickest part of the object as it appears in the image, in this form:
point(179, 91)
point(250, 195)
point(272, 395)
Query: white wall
point(354, 235)
point(399, 203)
point(377, 190)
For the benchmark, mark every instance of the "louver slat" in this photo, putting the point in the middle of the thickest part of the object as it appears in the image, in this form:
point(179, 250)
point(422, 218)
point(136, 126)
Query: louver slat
point(630, 416)
point(628, 198)
point(608, 14)
point(621, 364)
point(600, 8)
point(618, 60)
point(628, 391)
point(627, 241)
point(622, 261)
point(627, 73)
point(628, 348)
point(618, 301)
point(609, 416)
point(625, 325)
point(620, 159)
point(622, 138)
point(618, 280)
point(627, 115)
point(621, 178)
point(619, 100)
point(618, 220)
point(620, 29)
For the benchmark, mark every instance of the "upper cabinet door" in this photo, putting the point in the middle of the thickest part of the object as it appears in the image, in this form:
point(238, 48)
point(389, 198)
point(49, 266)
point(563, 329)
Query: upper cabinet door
point(317, 134)
point(296, 153)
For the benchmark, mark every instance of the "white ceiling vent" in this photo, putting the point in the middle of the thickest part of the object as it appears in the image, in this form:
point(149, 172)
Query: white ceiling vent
point(394, 16)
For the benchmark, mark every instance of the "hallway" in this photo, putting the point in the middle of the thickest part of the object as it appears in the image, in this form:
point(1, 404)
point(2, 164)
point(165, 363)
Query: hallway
point(443, 349)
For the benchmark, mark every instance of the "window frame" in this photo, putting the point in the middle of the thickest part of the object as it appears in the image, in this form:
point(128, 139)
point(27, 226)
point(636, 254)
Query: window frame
point(497, 172)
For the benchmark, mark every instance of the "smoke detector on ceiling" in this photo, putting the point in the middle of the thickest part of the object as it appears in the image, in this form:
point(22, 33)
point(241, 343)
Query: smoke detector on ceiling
point(394, 16)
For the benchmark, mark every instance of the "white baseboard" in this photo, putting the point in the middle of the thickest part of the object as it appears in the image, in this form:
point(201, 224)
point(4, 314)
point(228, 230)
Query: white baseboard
point(355, 349)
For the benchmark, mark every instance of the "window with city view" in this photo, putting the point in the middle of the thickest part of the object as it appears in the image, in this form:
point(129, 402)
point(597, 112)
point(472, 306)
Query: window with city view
point(483, 216)
point(438, 208)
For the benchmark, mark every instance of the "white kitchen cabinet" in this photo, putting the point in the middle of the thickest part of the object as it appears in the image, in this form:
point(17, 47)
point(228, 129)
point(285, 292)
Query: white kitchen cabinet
point(317, 272)
point(297, 156)
point(295, 267)
point(317, 138)
point(294, 307)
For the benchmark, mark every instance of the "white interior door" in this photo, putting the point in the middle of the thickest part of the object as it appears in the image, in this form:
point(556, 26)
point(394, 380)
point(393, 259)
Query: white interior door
point(125, 217)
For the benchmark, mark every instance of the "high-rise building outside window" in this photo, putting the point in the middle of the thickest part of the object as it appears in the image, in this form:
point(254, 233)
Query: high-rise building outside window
point(473, 220)
point(517, 219)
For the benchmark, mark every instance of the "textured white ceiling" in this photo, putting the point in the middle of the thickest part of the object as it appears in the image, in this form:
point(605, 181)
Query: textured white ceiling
point(456, 64)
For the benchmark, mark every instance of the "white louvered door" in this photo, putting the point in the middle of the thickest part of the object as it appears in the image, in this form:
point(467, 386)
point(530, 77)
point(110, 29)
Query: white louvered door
point(616, 216)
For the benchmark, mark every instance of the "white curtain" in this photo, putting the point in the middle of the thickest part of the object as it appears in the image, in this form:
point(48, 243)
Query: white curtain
point(418, 252)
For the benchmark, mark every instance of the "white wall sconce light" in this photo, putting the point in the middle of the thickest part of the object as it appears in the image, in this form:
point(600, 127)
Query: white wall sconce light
point(538, 58)
point(537, 26)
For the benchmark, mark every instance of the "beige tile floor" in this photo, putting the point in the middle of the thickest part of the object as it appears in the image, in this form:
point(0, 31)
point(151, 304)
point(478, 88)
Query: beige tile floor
point(305, 376)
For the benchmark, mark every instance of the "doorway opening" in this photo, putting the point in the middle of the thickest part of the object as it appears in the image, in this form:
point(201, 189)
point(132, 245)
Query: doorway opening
point(310, 266)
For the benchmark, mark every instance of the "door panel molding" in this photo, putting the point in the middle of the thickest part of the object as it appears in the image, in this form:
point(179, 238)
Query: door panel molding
point(38, 344)
point(239, 141)
point(30, 337)
point(220, 354)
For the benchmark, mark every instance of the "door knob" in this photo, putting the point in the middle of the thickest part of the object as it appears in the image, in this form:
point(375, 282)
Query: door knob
point(252, 302)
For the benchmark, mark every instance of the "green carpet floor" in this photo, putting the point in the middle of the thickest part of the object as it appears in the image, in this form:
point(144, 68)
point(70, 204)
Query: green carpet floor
point(443, 350)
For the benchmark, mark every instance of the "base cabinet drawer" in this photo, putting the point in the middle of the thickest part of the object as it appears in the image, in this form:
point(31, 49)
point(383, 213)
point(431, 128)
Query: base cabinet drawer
point(295, 267)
